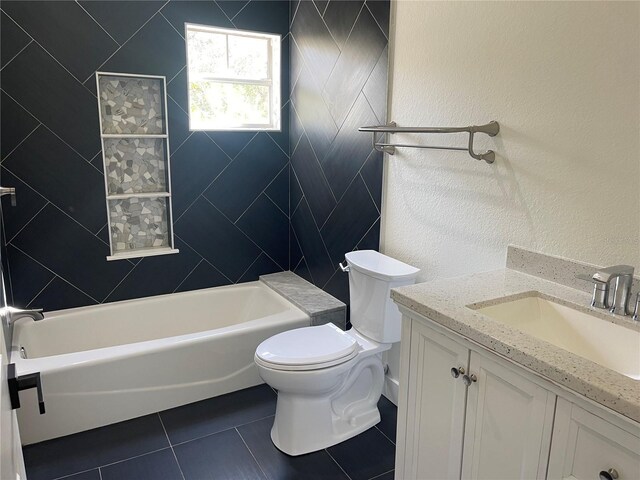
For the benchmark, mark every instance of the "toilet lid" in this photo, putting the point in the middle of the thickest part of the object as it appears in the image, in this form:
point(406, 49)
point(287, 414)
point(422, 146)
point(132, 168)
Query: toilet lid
point(307, 346)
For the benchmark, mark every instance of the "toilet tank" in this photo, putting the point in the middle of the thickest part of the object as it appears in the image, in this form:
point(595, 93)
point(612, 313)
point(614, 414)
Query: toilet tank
point(372, 275)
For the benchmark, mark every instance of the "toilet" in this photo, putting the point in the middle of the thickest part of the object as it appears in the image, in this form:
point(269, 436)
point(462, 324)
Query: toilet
point(329, 381)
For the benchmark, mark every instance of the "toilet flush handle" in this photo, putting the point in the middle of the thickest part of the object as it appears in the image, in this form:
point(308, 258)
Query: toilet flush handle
point(344, 268)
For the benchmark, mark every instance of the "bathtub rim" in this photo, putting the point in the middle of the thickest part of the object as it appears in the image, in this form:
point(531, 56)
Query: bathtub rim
point(65, 361)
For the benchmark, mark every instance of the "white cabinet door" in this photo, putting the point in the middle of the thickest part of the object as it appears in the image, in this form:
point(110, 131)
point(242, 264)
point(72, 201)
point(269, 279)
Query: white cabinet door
point(435, 403)
point(585, 445)
point(508, 424)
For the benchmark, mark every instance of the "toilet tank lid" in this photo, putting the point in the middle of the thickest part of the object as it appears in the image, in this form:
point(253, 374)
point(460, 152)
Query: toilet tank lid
point(380, 266)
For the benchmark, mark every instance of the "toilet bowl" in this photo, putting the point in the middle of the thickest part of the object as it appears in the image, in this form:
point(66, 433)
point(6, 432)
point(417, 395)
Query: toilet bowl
point(329, 381)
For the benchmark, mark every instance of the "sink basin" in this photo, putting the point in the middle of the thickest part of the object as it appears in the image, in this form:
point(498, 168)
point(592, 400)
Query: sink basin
point(608, 344)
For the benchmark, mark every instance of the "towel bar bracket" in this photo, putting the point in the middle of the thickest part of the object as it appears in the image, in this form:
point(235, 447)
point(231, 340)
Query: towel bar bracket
point(492, 129)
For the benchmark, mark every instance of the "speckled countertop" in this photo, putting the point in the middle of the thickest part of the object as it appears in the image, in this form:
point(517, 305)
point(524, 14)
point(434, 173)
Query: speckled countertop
point(446, 302)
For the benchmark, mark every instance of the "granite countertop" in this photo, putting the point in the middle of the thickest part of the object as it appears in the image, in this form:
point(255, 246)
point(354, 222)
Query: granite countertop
point(446, 302)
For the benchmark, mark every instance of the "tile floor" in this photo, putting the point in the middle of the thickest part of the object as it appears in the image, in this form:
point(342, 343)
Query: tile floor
point(225, 437)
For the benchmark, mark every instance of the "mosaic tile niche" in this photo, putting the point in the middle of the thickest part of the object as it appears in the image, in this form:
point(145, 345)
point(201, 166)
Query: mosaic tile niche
point(131, 105)
point(138, 223)
point(135, 165)
point(135, 147)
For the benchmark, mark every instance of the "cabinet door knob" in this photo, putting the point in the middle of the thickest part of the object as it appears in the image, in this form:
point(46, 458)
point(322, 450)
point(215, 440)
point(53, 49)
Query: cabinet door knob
point(610, 474)
point(456, 372)
point(469, 379)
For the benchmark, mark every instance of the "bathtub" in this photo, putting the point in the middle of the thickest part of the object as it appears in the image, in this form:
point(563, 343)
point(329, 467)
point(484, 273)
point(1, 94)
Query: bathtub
point(112, 362)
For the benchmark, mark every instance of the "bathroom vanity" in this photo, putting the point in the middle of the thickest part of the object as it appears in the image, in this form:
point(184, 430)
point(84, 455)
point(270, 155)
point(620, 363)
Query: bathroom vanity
point(482, 396)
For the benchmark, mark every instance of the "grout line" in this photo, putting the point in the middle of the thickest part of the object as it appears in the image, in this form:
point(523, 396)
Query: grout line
point(376, 20)
point(125, 42)
point(336, 462)
point(326, 26)
point(298, 264)
point(274, 140)
point(293, 17)
point(48, 269)
point(180, 106)
point(223, 430)
point(225, 13)
point(276, 205)
point(358, 174)
point(243, 7)
point(243, 232)
point(21, 141)
point(104, 300)
point(368, 230)
point(325, 9)
point(174, 77)
point(249, 267)
point(16, 55)
point(184, 141)
point(41, 290)
point(50, 54)
point(356, 21)
point(231, 160)
point(330, 278)
point(97, 23)
point(54, 133)
point(260, 194)
point(47, 202)
point(188, 275)
point(76, 473)
point(251, 453)
point(203, 257)
point(100, 472)
point(171, 25)
point(384, 473)
point(170, 446)
point(368, 191)
point(384, 435)
point(129, 458)
point(303, 257)
point(94, 234)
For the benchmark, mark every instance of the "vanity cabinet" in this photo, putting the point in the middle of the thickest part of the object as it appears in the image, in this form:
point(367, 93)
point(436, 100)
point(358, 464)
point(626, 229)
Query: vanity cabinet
point(465, 412)
point(500, 420)
point(586, 447)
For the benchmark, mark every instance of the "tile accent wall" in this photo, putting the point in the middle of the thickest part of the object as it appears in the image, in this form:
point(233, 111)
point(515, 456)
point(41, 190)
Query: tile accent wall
point(339, 67)
point(230, 190)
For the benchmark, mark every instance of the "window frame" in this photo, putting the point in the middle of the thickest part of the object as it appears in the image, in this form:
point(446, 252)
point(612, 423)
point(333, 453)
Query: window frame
point(273, 83)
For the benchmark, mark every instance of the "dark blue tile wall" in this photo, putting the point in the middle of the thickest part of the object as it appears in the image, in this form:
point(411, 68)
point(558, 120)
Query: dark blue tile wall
point(339, 66)
point(245, 204)
point(231, 190)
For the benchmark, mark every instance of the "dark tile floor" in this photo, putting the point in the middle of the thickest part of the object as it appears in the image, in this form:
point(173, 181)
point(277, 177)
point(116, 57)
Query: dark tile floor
point(225, 437)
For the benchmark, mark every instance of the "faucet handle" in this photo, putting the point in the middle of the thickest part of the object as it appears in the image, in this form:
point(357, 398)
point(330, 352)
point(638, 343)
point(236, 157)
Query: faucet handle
point(636, 310)
point(609, 273)
point(600, 295)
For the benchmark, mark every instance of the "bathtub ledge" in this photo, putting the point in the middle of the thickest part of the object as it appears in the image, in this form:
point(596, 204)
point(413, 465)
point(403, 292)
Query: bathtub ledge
point(319, 305)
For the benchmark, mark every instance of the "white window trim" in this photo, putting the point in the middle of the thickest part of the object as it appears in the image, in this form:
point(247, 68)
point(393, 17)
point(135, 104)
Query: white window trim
point(275, 102)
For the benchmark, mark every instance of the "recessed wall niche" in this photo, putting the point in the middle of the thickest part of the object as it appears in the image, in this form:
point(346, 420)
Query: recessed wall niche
point(135, 151)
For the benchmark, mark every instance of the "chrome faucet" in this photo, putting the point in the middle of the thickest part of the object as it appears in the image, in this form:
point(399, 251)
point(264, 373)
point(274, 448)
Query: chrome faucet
point(12, 314)
point(604, 279)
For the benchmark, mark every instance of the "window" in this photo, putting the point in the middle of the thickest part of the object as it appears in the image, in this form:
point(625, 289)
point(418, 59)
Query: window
point(233, 79)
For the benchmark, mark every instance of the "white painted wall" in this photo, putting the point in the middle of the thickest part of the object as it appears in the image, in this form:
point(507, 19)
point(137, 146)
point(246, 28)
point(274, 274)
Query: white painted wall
point(563, 80)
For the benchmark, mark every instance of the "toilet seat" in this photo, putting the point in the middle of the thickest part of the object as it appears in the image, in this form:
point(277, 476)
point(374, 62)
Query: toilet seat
point(308, 348)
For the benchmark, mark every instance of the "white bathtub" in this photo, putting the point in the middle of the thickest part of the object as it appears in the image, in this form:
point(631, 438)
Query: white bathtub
point(107, 363)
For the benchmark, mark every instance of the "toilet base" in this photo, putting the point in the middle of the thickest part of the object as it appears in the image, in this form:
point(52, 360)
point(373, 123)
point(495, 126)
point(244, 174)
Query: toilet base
point(307, 423)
